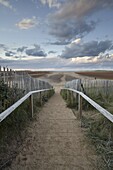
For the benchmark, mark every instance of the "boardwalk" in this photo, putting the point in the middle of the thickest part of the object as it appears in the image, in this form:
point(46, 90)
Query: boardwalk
point(55, 142)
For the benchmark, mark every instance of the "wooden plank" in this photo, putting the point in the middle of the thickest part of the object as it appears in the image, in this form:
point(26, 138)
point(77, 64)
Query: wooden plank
point(4, 74)
point(40, 98)
point(80, 106)
point(31, 105)
point(72, 102)
point(67, 95)
point(103, 111)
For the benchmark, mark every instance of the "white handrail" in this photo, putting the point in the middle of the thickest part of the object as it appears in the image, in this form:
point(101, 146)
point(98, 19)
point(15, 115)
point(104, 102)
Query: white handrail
point(107, 114)
point(8, 111)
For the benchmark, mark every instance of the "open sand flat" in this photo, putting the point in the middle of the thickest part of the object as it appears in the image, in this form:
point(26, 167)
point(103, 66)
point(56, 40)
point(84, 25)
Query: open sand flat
point(56, 76)
point(58, 79)
point(97, 74)
point(55, 141)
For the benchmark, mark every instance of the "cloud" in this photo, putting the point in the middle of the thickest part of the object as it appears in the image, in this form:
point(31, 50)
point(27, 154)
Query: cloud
point(15, 52)
point(27, 23)
point(71, 20)
point(36, 51)
point(3, 47)
point(52, 52)
point(93, 48)
point(69, 30)
point(6, 3)
point(58, 64)
point(23, 52)
point(10, 53)
point(79, 9)
point(60, 43)
point(21, 49)
point(51, 3)
point(105, 57)
point(76, 41)
point(20, 57)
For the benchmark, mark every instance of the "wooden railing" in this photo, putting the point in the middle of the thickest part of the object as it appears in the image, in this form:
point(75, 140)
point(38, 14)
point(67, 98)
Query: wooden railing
point(17, 84)
point(91, 86)
point(29, 95)
point(81, 95)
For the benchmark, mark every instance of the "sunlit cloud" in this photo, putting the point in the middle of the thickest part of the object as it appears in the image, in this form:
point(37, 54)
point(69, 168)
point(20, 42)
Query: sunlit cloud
point(76, 41)
point(27, 23)
point(93, 48)
point(59, 63)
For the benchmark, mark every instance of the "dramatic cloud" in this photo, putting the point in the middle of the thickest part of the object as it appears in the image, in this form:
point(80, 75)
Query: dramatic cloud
point(27, 23)
point(51, 3)
point(72, 18)
point(79, 9)
point(93, 48)
point(36, 51)
point(6, 3)
point(69, 30)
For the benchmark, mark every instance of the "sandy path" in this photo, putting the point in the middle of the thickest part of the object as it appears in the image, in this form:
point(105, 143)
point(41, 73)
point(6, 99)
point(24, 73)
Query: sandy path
point(55, 142)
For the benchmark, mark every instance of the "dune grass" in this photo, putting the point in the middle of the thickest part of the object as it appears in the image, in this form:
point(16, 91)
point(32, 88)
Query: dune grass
point(98, 129)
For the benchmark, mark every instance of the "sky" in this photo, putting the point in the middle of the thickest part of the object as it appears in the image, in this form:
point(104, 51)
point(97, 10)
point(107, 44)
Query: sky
point(56, 34)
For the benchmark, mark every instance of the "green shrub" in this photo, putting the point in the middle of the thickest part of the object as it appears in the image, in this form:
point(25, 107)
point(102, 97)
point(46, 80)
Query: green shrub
point(9, 96)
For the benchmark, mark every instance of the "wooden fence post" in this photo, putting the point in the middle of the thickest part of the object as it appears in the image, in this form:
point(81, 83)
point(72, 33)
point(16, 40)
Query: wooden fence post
point(4, 74)
point(31, 105)
point(0, 73)
point(72, 102)
point(7, 75)
point(40, 98)
point(10, 78)
point(79, 107)
point(67, 95)
point(45, 94)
